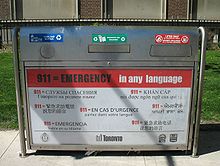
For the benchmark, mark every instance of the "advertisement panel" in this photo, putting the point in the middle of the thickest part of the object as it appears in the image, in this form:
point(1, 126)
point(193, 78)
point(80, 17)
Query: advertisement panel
point(109, 106)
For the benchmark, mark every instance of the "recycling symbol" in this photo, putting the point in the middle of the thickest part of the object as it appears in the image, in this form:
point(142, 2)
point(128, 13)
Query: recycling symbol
point(95, 38)
point(123, 38)
point(58, 37)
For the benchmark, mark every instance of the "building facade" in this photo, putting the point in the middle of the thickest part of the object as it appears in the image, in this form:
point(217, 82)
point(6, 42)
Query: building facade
point(137, 9)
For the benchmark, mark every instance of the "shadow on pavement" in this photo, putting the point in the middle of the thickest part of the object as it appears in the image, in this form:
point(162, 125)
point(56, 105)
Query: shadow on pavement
point(209, 140)
point(81, 154)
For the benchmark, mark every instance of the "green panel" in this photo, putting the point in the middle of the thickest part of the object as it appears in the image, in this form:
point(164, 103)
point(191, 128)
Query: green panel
point(109, 38)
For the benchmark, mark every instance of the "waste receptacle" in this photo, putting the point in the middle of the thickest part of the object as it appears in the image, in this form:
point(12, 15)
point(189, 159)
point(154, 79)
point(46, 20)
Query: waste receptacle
point(109, 88)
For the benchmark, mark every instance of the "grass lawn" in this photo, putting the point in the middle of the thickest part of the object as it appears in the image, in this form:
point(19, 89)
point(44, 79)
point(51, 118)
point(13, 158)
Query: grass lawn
point(211, 98)
point(8, 114)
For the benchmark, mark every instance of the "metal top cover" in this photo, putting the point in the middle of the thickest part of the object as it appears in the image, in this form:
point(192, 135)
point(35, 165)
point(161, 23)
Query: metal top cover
point(109, 43)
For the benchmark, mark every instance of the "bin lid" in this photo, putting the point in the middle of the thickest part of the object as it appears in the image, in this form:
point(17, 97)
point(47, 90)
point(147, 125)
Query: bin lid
point(112, 43)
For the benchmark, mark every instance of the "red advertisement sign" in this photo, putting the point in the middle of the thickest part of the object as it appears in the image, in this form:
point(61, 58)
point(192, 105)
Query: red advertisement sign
point(172, 39)
point(105, 78)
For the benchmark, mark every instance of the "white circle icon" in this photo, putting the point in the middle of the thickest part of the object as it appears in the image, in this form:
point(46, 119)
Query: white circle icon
point(123, 39)
point(95, 38)
point(185, 39)
point(58, 37)
point(159, 39)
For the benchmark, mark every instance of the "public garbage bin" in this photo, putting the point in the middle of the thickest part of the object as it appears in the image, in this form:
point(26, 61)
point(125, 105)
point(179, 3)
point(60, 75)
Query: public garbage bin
point(109, 88)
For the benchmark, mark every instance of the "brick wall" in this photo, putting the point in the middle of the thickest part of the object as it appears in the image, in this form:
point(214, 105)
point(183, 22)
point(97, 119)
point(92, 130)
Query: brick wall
point(4, 9)
point(177, 9)
point(90, 8)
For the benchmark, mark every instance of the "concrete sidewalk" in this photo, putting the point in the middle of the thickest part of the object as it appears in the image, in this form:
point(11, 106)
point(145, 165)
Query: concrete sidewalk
point(10, 147)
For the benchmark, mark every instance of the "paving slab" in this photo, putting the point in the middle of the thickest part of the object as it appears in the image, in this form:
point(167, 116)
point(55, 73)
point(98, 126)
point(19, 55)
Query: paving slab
point(11, 158)
point(63, 159)
point(185, 160)
point(6, 138)
point(108, 161)
point(209, 156)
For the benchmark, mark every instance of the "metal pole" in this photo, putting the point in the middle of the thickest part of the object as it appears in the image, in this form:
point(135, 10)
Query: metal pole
point(101, 8)
point(1, 38)
point(13, 9)
point(200, 91)
point(106, 10)
point(18, 93)
point(164, 9)
point(77, 9)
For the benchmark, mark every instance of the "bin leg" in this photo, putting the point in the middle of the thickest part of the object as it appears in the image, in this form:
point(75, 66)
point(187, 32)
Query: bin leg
point(18, 94)
point(200, 90)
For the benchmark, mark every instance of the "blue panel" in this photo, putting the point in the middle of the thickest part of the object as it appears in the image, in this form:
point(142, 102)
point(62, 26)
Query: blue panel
point(36, 38)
